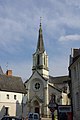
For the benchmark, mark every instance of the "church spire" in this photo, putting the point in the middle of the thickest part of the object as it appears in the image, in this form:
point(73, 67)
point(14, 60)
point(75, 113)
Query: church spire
point(40, 44)
point(40, 57)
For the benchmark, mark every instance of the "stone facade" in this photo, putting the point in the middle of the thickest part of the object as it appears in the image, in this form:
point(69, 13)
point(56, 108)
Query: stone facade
point(40, 86)
point(74, 70)
point(12, 95)
point(10, 104)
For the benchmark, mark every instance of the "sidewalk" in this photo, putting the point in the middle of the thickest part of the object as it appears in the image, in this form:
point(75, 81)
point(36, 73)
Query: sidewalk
point(46, 118)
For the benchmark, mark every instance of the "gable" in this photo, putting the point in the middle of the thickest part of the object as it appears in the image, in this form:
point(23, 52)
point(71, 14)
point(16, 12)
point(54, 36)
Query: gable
point(36, 98)
point(36, 75)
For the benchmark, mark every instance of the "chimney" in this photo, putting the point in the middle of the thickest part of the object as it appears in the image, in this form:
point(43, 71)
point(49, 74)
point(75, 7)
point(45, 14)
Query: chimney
point(76, 52)
point(9, 72)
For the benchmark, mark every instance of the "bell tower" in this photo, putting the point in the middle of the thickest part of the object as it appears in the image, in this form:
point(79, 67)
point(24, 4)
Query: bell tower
point(40, 57)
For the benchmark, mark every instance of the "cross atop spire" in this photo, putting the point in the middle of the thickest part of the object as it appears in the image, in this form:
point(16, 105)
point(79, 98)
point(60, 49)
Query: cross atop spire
point(40, 20)
point(40, 57)
point(40, 44)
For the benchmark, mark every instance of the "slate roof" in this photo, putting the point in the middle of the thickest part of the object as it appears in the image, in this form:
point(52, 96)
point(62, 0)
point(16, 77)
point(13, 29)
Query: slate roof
point(59, 80)
point(11, 84)
point(56, 88)
point(40, 44)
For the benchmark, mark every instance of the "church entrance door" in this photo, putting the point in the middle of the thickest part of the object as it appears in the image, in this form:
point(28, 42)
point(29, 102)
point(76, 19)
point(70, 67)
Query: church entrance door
point(36, 107)
point(37, 110)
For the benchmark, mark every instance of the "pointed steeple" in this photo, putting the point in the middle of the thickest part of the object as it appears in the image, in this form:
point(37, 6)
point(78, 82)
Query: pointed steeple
point(40, 44)
point(40, 57)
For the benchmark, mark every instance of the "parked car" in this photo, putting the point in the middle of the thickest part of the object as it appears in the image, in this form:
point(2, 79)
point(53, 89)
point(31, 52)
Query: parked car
point(10, 118)
point(33, 116)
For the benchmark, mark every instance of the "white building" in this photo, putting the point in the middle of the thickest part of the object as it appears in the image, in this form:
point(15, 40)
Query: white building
point(40, 86)
point(12, 92)
point(74, 70)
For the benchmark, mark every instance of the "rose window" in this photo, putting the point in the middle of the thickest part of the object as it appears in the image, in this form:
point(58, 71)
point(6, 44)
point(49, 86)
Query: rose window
point(37, 86)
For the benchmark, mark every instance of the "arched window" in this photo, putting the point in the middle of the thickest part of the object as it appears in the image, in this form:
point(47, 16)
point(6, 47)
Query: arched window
point(36, 103)
point(44, 60)
point(38, 60)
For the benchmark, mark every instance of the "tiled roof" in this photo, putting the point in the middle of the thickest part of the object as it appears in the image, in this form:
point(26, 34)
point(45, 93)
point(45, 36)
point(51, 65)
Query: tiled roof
point(11, 84)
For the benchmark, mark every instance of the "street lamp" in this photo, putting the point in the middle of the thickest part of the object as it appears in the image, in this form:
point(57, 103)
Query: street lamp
point(52, 105)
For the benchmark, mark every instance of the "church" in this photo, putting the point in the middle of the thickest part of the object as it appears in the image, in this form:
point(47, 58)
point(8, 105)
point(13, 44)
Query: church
point(40, 86)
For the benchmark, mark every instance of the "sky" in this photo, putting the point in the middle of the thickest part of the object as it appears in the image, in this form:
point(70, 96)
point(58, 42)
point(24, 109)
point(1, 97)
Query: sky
point(19, 29)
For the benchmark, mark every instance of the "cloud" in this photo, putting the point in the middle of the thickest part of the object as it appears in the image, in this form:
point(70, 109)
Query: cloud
point(73, 2)
point(19, 24)
point(58, 66)
point(75, 37)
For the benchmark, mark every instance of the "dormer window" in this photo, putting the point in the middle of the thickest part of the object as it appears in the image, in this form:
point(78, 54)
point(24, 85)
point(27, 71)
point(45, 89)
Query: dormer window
point(44, 60)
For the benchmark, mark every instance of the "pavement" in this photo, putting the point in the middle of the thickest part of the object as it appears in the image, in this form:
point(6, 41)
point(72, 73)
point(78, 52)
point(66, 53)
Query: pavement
point(46, 118)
